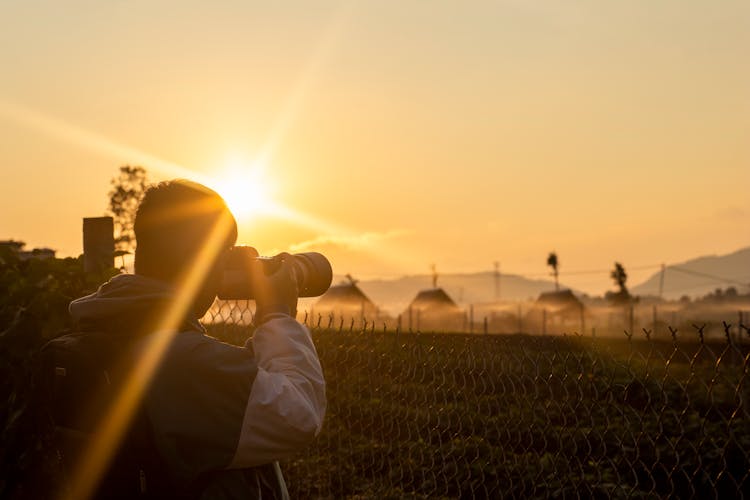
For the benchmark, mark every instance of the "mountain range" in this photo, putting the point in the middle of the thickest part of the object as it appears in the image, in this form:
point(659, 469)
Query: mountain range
point(699, 276)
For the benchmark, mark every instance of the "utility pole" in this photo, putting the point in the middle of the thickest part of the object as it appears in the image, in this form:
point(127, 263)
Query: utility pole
point(661, 280)
point(471, 318)
point(497, 281)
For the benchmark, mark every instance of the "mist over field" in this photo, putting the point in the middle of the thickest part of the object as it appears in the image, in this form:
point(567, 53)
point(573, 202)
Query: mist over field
point(708, 291)
point(693, 278)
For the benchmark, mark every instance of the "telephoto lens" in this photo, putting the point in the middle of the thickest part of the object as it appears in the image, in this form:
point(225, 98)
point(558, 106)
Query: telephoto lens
point(312, 270)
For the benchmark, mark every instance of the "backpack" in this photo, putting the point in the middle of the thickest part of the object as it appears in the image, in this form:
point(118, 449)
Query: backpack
point(83, 374)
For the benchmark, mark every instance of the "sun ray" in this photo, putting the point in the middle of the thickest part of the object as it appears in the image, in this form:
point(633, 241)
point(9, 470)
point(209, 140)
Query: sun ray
point(311, 71)
point(72, 134)
point(107, 436)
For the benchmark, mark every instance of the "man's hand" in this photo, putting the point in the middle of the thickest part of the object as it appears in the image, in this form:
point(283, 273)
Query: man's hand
point(276, 287)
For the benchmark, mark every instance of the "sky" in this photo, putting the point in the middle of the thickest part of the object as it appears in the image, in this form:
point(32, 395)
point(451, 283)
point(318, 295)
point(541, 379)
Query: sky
point(393, 135)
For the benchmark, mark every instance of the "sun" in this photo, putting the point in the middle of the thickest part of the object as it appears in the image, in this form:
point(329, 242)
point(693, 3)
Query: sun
point(246, 189)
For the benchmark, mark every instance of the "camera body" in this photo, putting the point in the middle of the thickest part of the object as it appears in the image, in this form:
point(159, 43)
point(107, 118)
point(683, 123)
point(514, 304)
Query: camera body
point(312, 270)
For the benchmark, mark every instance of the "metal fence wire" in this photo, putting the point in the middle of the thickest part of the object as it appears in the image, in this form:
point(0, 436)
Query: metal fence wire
point(420, 415)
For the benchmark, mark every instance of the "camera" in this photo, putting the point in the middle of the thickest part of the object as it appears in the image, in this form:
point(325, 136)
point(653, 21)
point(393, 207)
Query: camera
point(312, 269)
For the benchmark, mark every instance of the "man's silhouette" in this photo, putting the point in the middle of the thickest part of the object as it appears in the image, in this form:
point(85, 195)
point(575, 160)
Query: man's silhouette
point(219, 416)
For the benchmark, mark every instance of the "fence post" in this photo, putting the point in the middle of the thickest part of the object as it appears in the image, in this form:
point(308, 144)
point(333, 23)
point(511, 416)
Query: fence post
point(583, 321)
point(630, 319)
point(471, 318)
point(544, 321)
point(485, 325)
point(98, 244)
point(739, 328)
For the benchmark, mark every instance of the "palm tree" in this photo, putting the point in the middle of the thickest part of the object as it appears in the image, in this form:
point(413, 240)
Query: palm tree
point(553, 263)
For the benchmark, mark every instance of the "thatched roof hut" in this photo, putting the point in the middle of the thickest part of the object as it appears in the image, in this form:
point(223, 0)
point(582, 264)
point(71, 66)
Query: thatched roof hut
point(434, 310)
point(558, 311)
point(346, 301)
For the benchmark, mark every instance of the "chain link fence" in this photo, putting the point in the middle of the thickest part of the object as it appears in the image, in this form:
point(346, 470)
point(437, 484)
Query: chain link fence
point(420, 415)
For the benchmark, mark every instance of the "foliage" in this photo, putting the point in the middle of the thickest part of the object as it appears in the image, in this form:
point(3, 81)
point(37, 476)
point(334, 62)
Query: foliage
point(619, 276)
point(33, 309)
point(124, 196)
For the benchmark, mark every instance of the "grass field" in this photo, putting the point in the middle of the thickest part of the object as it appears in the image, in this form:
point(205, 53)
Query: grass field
point(413, 415)
point(430, 416)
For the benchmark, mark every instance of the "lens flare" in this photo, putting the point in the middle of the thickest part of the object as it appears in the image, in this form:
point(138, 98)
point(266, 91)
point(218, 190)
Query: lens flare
point(247, 190)
point(108, 435)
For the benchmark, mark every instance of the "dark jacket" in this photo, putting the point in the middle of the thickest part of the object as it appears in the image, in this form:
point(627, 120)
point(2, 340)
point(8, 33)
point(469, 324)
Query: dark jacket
point(221, 415)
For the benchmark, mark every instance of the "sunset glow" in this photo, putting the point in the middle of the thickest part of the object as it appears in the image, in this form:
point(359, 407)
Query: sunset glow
point(459, 249)
point(459, 136)
point(247, 189)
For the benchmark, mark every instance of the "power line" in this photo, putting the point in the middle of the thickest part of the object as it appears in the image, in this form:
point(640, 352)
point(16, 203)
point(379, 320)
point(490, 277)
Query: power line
point(687, 288)
point(706, 275)
point(590, 271)
point(630, 268)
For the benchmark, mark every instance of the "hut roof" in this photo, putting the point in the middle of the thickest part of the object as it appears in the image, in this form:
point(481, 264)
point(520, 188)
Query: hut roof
point(433, 298)
point(344, 294)
point(561, 300)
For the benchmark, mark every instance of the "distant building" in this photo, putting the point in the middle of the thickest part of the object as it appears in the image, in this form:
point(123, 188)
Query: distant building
point(347, 302)
point(433, 310)
point(559, 312)
point(17, 248)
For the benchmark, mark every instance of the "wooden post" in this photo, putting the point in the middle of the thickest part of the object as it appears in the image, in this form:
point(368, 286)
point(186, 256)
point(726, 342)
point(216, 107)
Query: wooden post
point(98, 244)
point(583, 321)
point(739, 328)
point(631, 320)
point(362, 313)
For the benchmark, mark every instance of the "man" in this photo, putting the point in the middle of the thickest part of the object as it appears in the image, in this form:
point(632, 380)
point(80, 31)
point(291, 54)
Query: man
point(219, 416)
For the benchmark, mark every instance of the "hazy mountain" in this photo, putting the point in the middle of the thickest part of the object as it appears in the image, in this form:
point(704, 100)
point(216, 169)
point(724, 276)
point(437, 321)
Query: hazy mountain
point(394, 295)
point(697, 277)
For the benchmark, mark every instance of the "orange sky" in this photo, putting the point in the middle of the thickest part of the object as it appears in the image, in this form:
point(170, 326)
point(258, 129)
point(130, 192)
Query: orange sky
point(407, 133)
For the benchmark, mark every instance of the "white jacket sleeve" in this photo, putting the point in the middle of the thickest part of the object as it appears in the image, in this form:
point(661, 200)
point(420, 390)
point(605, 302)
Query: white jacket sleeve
point(287, 401)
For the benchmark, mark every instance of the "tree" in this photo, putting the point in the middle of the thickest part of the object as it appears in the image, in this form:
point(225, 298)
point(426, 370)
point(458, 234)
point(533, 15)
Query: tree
point(619, 275)
point(553, 263)
point(126, 192)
